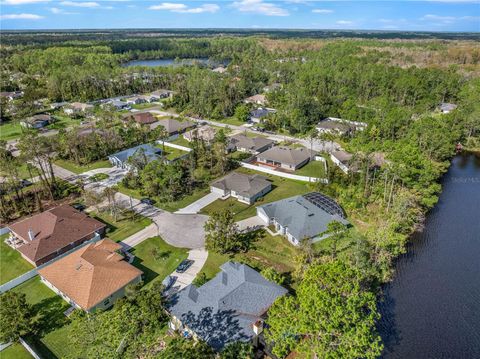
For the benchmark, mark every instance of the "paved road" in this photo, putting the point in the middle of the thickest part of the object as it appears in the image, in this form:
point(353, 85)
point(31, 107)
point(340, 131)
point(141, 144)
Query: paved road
point(196, 206)
point(316, 144)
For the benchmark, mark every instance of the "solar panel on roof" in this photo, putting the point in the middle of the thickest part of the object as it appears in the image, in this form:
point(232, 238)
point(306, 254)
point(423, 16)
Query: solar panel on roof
point(325, 203)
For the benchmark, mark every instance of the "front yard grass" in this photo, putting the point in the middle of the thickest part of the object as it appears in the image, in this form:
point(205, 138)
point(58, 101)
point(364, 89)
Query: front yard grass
point(62, 122)
point(281, 188)
point(78, 169)
point(15, 351)
point(266, 251)
point(10, 130)
point(232, 121)
point(312, 169)
point(157, 259)
point(11, 262)
point(181, 142)
point(124, 226)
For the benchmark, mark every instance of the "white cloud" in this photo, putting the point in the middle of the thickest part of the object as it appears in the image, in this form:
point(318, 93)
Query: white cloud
point(21, 17)
point(440, 19)
point(260, 7)
point(88, 4)
point(344, 22)
point(322, 11)
point(182, 8)
point(56, 10)
point(22, 2)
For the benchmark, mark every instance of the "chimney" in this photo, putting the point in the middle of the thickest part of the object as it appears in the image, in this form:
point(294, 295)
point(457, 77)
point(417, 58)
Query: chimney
point(31, 235)
point(258, 327)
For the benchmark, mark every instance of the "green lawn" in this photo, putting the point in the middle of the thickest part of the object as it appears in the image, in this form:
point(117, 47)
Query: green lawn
point(11, 262)
point(168, 206)
point(233, 121)
point(15, 351)
point(23, 171)
point(312, 169)
point(62, 122)
point(78, 169)
point(10, 130)
point(266, 251)
point(142, 106)
point(181, 142)
point(172, 153)
point(282, 188)
point(124, 227)
point(157, 259)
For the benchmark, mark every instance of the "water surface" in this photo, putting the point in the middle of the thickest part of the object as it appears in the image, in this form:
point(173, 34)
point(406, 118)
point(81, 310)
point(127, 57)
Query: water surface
point(432, 308)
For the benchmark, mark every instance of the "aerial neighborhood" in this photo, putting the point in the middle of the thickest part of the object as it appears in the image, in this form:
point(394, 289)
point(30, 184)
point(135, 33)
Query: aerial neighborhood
point(223, 204)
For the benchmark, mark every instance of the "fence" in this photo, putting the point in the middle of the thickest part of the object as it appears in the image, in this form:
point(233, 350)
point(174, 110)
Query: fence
point(173, 145)
point(29, 349)
point(283, 174)
point(32, 273)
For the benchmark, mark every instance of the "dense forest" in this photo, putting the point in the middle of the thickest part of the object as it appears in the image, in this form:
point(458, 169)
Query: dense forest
point(394, 86)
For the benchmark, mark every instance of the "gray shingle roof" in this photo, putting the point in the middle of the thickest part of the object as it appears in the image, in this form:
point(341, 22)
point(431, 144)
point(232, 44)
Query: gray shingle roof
point(243, 184)
point(251, 143)
point(286, 155)
point(150, 152)
point(303, 218)
point(225, 308)
point(172, 125)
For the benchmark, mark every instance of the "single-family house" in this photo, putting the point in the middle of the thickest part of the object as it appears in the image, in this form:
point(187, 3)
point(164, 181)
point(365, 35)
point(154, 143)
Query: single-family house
point(37, 121)
point(245, 188)
point(302, 217)
point(284, 158)
point(162, 93)
point(219, 70)
point(141, 118)
point(57, 105)
point(144, 153)
point(91, 277)
point(46, 235)
point(334, 127)
point(229, 308)
point(253, 145)
point(204, 133)
point(173, 127)
point(342, 159)
point(447, 107)
point(257, 115)
point(77, 107)
point(256, 100)
point(273, 87)
point(118, 105)
point(136, 100)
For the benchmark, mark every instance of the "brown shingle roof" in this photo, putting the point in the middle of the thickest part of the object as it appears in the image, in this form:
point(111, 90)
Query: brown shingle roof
point(251, 143)
point(144, 118)
point(53, 230)
point(172, 125)
point(91, 273)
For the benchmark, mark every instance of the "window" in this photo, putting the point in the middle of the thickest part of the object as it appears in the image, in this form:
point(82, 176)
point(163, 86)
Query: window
point(106, 302)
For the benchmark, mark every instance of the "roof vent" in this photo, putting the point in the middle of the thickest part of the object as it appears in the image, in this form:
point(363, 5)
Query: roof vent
point(31, 235)
point(79, 265)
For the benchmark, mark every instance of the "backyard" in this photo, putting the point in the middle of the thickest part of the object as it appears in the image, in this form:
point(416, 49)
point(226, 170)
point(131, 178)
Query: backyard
point(11, 262)
point(266, 251)
point(181, 142)
point(124, 226)
point(312, 169)
point(171, 153)
point(157, 259)
point(78, 169)
point(281, 188)
point(15, 351)
point(10, 130)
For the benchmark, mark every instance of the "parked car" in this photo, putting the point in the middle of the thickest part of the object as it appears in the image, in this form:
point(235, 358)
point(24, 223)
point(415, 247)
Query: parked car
point(79, 206)
point(168, 282)
point(184, 265)
point(147, 201)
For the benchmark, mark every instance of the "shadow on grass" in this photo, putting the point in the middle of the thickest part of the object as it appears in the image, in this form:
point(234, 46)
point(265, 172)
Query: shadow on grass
point(40, 348)
point(110, 227)
point(148, 274)
point(50, 314)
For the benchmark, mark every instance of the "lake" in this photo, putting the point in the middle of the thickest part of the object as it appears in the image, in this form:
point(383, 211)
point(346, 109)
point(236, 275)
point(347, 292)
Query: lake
point(170, 62)
point(432, 307)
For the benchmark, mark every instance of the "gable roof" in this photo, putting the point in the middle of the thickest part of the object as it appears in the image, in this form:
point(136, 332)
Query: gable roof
point(261, 99)
point(91, 274)
point(243, 184)
point(53, 230)
point(149, 151)
point(250, 143)
point(306, 216)
point(172, 126)
point(225, 308)
point(205, 133)
point(334, 125)
point(445, 106)
point(343, 156)
point(143, 118)
point(287, 155)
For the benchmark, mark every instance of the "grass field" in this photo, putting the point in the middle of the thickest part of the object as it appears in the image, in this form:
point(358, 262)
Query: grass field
point(10, 130)
point(282, 188)
point(181, 142)
point(168, 206)
point(266, 251)
point(62, 122)
point(232, 121)
point(157, 259)
point(78, 169)
point(172, 153)
point(124, 227)
point(11, 262)
point(15, 351)
point(312, 169)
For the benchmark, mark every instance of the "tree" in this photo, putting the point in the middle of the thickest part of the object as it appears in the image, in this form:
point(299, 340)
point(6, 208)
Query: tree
point(242, 112)
point(335, 231)
point(237, 350)
point(222, 235)
point(16, 316)
point(187, 349)
point(272, 275)
point(332, 316)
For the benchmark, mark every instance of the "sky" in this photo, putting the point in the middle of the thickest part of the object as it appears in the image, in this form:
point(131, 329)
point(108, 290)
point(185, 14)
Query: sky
point(428, 15)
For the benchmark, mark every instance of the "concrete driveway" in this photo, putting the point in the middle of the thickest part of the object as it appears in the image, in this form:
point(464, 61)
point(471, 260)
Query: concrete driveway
point(196, 206)
point(199, 257)
point(250, 224)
